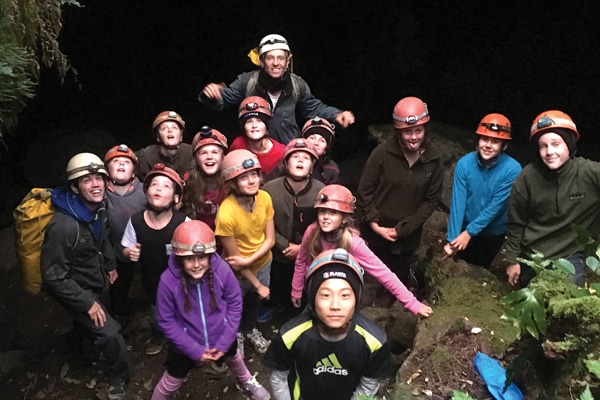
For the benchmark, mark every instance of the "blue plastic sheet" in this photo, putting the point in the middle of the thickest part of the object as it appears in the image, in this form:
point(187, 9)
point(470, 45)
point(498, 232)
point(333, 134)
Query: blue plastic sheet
point(494, 376)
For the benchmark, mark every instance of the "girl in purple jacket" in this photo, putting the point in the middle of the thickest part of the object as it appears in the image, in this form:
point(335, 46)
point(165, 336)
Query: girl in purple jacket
point(199, 309)
point(334, 228)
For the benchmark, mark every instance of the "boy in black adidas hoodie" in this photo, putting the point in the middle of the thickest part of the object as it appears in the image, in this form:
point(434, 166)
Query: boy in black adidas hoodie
point(329, 351)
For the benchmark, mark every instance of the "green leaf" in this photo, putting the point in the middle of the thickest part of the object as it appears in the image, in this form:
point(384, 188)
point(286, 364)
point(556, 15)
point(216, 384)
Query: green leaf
point(458, 395)
point(587, 394)
point(564, 265)
point(527, 311)
point(596, 287)
point(593, 366)
point(592, 263)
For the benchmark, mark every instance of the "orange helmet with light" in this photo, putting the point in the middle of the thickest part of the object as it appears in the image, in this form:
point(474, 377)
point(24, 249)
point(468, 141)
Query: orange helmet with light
point(237, 162)
point(552, 119)
point(409, 112)
point(168, 116)
point(255, 106)
point(193, 238)
point(495, 126)
point(161, 169)
point(207, 136)
point(319, 126)
point(300, 144)
point(336, 197)
point(121, 150)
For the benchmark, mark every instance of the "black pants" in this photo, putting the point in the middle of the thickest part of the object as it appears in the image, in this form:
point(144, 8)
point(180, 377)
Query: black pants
point(119, 291)
point(482, 250)
point(179, 365)
point(108, 340)
point(399, 264)
point(281, 284)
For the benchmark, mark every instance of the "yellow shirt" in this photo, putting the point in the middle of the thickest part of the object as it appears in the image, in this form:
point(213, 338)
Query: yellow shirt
point(247, 228)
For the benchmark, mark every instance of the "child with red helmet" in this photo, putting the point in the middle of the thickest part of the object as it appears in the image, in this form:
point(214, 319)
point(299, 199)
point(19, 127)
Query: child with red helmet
point(199, 307)
point(335, 228)
point(148, 234)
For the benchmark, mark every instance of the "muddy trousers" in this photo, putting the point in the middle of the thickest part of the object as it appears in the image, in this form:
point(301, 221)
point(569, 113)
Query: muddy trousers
point(179, 365)
point(108, 340)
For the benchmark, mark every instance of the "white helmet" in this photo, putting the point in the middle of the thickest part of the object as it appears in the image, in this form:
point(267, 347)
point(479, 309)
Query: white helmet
point(272, 42)
point(83, 164)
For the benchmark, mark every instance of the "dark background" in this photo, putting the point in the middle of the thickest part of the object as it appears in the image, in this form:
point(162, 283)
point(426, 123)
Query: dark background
point(135, 59)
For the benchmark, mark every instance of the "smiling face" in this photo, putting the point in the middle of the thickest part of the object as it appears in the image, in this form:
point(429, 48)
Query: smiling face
point(412, 138)
point(90, 189)
point(335, 303)
point(196, 266)
point(120, 170)
point(489, 148)
point(209, 158)
point(275, 62)
point(329, 220)
point(255, 129)
point(299, 165)
point(553, 150)
point(169, 133)
point(247, 184)
point(319, 142)
point(161, 193)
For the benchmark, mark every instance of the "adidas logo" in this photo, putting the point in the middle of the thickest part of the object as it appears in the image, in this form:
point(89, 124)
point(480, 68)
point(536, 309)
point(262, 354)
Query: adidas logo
point(329, 365)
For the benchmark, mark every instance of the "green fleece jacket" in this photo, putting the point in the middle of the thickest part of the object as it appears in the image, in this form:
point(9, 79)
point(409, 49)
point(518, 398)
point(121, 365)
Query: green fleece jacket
point(397, 195)
point(544, 204)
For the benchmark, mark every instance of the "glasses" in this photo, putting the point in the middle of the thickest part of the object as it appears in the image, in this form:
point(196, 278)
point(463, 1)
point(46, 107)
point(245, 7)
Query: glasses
point(497, 128)
point(544, 122)
point(248, 163)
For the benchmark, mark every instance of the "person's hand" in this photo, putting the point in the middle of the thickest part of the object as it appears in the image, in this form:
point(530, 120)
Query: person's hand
point(263, 291)
point(388, 234)
point(345, 119)
point(133, 253)
point(461, 242)
point(213, 90)
point(425, 311)
point(513, 271)
point(291, 251)
point(296, 301)
point(238, 262)
point(112, 276)
point(96, 313)
point(448, 250)
point(211, 355)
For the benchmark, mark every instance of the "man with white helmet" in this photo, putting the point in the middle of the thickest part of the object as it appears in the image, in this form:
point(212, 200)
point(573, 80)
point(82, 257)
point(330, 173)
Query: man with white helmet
point(77, 261)
point(286, 92)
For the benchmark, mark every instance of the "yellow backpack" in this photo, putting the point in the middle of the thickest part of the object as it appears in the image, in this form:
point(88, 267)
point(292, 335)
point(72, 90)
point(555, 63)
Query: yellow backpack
point(31, 218)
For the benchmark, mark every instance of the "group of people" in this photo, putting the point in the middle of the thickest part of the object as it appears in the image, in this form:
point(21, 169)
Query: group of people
point(228, 236)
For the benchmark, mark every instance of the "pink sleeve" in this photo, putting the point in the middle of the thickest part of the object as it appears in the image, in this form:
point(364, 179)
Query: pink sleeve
point(302, 264)
point(376, 268)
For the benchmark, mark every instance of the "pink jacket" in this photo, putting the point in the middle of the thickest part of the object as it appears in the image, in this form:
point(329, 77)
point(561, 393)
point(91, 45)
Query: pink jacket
point(366, 258)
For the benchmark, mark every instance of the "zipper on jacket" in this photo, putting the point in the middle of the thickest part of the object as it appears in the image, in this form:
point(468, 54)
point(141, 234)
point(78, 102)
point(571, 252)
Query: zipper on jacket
point(206, 344)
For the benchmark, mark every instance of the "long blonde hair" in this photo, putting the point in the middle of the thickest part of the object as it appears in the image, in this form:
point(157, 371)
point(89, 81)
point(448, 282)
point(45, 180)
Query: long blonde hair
point(343, 238)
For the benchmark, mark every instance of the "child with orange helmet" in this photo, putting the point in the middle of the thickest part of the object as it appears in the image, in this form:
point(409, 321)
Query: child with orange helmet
point(335, 228)
point(482, 182)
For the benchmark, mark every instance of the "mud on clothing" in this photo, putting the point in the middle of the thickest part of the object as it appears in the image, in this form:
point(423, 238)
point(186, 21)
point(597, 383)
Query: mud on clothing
point(154, 254)
point(324, 370)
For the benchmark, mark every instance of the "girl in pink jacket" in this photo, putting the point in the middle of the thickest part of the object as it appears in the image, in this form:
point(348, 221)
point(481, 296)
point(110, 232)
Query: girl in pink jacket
point(334, 228)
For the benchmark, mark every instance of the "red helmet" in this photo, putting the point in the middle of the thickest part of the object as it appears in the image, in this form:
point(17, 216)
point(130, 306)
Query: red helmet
point(121, 150)
point(319, 126)
point(255, 106)
point(300, 144)
point(237, 162)
point(193, 238)
point(161, 169)
point(168, 116)
point(410, 111)
point(553, 119)
point(494, 126)
point(208, 135)
point(336, 263)
point(336, 197)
